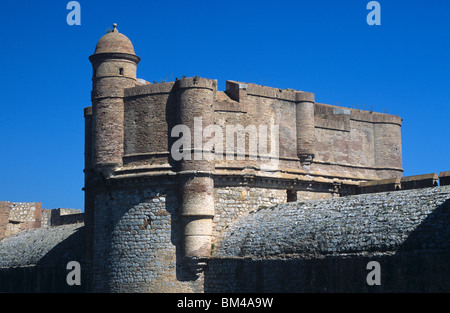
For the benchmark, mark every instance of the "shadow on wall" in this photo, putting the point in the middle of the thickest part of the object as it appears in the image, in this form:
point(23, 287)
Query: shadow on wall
point(138, 241)
point(419, 265)
point(50, 273)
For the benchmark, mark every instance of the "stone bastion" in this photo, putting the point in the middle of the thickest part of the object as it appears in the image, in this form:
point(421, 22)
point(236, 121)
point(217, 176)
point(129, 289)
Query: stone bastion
point(305, 246)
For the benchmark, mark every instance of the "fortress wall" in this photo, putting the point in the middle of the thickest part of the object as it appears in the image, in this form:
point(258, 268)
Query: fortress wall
point(36, 260)
point(4, 216)
point(380, 222)
point(347, 142)
point(46, 218)
point(361, 143)
point(411, 272)
point(149, 117)
point(138, 242)
point(324, 246)
point(267, 111)
point(388, 149)
point(235, 202)
point(232, 203)
point(88, 173)
point(23, 215)
point(264, 106)
point(88, 139)
point(63, 216)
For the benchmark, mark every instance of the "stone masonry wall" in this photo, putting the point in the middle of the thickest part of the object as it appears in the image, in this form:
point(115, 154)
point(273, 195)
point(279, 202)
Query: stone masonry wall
point(57, 217)
point(35, 260)
point(355, 142)
point(348, 142)
point(137, 242)
point(20, 216)
point(232, 203)
point(374, 222)
point(413, 272)
point(325, 245)
point(4, 217)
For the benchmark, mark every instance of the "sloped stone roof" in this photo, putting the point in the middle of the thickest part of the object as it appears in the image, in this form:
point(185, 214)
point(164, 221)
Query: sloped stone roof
point(43, 246)
point(383, 222)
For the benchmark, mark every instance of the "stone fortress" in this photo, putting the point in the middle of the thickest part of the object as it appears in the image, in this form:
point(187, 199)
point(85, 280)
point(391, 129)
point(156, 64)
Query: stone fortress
point(251, 189)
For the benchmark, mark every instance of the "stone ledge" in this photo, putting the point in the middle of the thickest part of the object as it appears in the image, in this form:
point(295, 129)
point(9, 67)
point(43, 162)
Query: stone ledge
point(380, 185)
point(232, 88)
point(419, 181)
point(149, 89)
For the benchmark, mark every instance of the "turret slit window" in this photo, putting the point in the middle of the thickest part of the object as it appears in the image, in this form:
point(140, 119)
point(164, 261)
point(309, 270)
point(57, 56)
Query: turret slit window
point(121, 71)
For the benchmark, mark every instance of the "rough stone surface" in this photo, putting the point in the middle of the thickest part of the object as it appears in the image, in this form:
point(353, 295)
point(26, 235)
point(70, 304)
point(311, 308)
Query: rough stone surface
point(325, 245)
point(380, 222)
point(30, 247)
point(305, 246)
point(17, 216)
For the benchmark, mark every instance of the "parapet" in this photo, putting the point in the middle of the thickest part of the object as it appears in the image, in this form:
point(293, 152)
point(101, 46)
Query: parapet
point(419, 181)
point(444, 178)
point(405, 183)
point(18, 216)
point(237, 90)
point(197, 82)
point(57, 217)
point(88, 111)
point(380, 185)
point(149, 89)
point(375, 117)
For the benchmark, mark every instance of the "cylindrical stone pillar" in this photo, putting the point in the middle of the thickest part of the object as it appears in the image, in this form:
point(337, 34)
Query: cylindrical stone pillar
point(305, 128)
point(195, 98)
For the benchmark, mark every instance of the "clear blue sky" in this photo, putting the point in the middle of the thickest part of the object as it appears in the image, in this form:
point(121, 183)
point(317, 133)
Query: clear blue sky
point(401, 67)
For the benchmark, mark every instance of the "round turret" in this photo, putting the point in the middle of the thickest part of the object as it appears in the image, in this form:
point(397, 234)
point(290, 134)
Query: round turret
point(114, 65)
point(114, 42)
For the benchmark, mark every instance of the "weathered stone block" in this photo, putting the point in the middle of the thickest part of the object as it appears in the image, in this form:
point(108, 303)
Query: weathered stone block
point(419, 181)
point(380, 185)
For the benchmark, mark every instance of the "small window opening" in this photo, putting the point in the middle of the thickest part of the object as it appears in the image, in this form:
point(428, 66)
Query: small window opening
point(291, 195)
point(121, 71)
